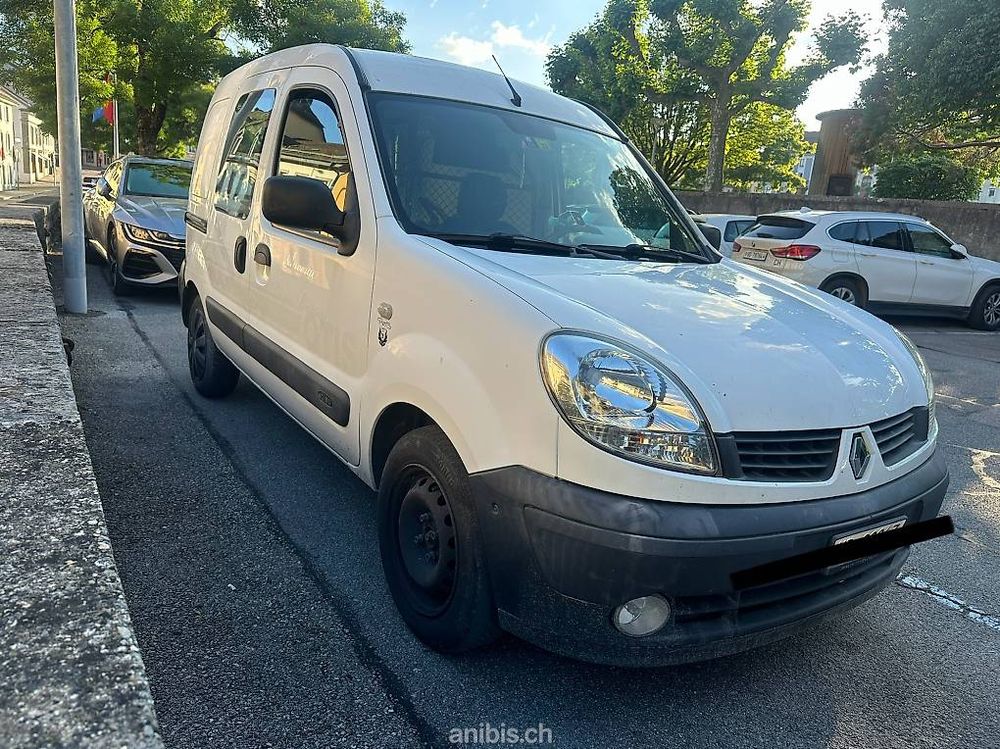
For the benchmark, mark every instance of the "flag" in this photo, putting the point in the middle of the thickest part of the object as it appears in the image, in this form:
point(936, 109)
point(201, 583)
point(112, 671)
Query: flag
point(98, 114)
point(107, 110)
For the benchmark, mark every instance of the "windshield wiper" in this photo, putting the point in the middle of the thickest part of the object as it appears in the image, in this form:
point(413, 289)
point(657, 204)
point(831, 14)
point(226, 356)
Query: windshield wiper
point(651, 252)
point(504, 241)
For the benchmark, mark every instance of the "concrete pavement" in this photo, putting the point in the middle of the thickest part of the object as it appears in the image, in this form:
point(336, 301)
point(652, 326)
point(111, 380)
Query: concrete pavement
point(249, 558)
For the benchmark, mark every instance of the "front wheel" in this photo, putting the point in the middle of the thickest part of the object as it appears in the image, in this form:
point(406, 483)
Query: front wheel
point(432, 556)
point(985, 312)
point(213, 375)
point(847, 290)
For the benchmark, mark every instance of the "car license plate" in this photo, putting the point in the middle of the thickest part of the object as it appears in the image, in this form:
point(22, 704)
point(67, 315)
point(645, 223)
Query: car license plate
point(873, 531)
point(755, 254)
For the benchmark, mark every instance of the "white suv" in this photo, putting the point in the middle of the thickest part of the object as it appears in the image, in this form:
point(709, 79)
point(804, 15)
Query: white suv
point(580, 420)
point(884, 262)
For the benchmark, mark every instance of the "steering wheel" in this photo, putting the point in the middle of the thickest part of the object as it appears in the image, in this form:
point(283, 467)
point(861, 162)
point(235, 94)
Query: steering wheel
point(572, 222)
point(433, 212)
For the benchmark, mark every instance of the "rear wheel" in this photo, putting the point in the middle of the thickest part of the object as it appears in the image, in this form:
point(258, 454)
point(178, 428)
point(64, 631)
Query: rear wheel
point(848, 290)
point(213, 375)
point(429, 542)
point(985, 312)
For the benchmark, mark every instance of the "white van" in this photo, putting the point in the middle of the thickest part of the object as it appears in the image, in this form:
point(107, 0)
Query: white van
point(579, 418)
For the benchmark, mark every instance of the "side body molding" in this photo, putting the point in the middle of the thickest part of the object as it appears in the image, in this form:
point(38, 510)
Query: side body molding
point(328, 397)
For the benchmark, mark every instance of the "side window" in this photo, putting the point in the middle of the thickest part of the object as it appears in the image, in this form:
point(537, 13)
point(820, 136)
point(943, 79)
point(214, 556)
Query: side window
point(732, 231)
point(241, 155)
point(926, 241)
point(887, 235)
point(845, 232)
point(312, 144)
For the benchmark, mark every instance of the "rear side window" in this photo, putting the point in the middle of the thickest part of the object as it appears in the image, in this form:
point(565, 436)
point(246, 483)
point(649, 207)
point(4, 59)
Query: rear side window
point(735, 228)
point(312, 144)
point(845, 232)
point(241, 156)
point(779, 227)
point(887, 235)
point(926, 241)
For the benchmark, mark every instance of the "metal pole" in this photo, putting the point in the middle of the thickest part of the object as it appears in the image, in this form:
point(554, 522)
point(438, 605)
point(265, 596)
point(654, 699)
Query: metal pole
point(71, 170)
point(114, 124)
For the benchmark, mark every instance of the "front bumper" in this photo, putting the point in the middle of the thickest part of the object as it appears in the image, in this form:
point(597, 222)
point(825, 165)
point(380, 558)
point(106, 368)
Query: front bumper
point(149, 264)
point(562, 557)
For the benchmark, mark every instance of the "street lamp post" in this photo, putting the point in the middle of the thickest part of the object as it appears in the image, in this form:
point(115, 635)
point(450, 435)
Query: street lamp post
point(71, 171)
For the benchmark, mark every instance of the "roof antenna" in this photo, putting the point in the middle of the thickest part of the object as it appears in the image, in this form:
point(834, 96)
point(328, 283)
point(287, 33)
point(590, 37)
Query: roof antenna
point(516, 98)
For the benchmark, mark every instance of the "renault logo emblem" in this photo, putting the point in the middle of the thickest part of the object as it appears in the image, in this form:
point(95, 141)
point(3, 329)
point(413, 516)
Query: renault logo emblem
point(860, 455)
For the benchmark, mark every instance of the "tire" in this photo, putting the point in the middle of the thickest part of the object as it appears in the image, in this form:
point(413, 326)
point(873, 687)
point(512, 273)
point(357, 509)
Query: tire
point(429, 541)
point(119, 285)
point(848, 290)
point(213, 375)
point(985, 312)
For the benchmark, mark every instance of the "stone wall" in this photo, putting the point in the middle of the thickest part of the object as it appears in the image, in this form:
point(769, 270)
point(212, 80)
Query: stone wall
point(70, 669)
point(976, 225)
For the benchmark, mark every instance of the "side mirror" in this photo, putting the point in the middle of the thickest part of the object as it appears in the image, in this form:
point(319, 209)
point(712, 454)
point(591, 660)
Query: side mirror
point(960, 250)
point(306, 203)
point(105, 190)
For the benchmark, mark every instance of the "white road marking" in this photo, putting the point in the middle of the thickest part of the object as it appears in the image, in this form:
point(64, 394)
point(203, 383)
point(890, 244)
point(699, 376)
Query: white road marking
point(948, 600)
point(973, 401)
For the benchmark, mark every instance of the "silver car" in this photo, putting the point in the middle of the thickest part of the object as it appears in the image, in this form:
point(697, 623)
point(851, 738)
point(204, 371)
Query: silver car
point(134, 219)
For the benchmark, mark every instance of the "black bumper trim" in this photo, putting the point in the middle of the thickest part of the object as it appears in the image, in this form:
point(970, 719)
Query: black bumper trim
point(561, 556)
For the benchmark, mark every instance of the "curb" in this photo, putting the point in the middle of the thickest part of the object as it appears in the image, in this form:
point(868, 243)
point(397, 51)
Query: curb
point(70, 665)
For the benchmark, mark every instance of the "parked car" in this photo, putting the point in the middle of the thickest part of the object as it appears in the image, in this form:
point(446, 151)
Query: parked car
point(883, 262)
point(579, 419)
point(730, 226)
point(134, 219)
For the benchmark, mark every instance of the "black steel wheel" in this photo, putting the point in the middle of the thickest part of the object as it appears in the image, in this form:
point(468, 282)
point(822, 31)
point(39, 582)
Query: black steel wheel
point(432, 555)
point(212, 374)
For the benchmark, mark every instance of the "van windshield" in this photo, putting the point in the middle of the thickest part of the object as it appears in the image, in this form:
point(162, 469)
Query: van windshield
point(468, 170)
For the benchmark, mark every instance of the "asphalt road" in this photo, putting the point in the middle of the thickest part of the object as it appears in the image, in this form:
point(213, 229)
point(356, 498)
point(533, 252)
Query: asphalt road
point(249, 559)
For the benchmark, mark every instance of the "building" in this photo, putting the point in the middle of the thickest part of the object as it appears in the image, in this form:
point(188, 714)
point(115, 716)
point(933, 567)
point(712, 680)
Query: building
point(10, 137)
point(38, 150)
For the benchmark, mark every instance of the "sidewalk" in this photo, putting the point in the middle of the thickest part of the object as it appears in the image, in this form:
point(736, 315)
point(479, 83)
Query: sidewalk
point(70, 668)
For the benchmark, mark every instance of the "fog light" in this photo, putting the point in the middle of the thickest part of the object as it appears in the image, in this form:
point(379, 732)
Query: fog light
point(642, 616)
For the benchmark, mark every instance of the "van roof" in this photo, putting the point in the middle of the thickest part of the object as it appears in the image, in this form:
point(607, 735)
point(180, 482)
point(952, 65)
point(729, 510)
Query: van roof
point(397, 73)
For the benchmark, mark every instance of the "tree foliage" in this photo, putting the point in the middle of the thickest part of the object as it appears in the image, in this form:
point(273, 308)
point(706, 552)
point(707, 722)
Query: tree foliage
point(927, 176)
point(728, 55)
point(663, 106)
point(166, 55)
point(937, 86)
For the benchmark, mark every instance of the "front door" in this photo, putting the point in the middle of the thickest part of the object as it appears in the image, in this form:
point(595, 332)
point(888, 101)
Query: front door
point(885, 261)
point(943, 276)
point(308, 300)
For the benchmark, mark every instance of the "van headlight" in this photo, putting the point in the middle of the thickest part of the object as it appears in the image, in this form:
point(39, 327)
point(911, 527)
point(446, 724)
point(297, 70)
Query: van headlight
point(925, 373)
point(624, 402)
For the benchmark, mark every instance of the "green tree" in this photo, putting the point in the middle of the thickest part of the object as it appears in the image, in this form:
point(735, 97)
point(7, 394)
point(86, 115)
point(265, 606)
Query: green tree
point(927, 176)
point(661, 107)
point(937, 86)
point(730, 55)
point(166, 55)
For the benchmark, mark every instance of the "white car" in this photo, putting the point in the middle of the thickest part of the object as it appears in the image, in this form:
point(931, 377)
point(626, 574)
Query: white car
point(579, 419)
point(730, 226)
point(883, 262)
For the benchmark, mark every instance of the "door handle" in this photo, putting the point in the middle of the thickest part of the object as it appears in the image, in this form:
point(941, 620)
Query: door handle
point(925, 262)
point(262, 255)
point(240, 254)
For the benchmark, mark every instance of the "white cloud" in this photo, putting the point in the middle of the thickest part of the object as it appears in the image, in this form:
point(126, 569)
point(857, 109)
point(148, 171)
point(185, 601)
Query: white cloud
point(469, 51)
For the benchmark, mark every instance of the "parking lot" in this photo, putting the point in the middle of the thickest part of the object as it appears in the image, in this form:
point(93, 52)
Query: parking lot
point(250, 563)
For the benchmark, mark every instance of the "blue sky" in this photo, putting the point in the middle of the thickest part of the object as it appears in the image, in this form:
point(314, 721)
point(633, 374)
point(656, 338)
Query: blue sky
point(520, 33)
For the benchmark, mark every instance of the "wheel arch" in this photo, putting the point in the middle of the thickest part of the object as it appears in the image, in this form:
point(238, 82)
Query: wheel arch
point(187, 298)
point(395, 420)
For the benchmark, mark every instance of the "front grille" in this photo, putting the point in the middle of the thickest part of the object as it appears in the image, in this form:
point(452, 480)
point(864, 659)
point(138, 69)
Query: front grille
point(757, 607)
point(900, 436)
point(139, 265)
point(174, 257)
point(787, 456)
